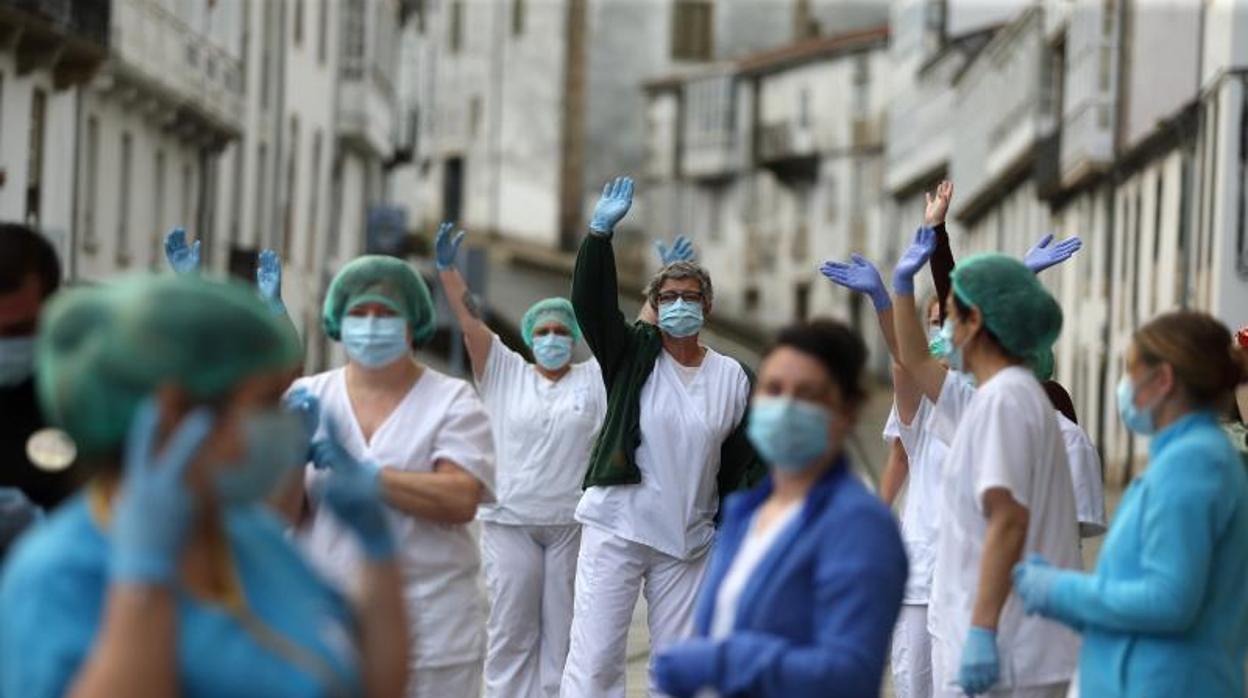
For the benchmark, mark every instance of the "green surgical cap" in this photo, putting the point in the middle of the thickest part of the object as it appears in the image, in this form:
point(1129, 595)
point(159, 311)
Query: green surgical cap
point(380, 279)
point(543, 311)
point(1042, 365)
point(1019, 312)
point(101, 350)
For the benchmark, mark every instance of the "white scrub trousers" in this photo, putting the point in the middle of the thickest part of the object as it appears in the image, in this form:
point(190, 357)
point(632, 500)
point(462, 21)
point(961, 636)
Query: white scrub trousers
point(609, 573)
point(530, 572)
point(1053, 690)
point(912, 654)
point(454, 681)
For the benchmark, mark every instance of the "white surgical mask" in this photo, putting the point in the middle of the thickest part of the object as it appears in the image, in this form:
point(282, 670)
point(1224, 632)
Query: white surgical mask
point(553, 351)
point(373, 341)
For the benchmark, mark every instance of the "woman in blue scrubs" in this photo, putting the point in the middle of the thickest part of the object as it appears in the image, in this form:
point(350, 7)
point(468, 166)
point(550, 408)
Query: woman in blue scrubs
point(1165, 612)
point(806, 578)
point(166, 575)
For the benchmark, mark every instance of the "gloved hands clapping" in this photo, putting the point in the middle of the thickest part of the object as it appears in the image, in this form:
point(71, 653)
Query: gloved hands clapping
point(181, 257)
point(862, 276)
point(617, 197)
point(269, 280)
point(154, 509)
point(913, 259)
point(981, 667)
point(680, 251)
point(1041, 256)
point(687, 667)
point(352, 491)
point(446, 247)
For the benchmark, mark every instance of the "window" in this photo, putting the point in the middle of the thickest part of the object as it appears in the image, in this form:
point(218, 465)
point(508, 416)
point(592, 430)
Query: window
point(517, 17)
point(236, 198)
point(862, 69)
point(90, 190)
point(298, 21)
point(322, 32)
point(456, 26)
point(831, 205)
point(123, 202)
point(266, 55)
point(158, 200)
point(692, 30)
point(803, 108)
point(1108, 9)
point(474, 115)
point(801, 301)
point(1106, 68)
point(188, 197)
point(262, 179)
point(751, 300)
point(292, 183)
point(353, 40)
point(314, 200)
point(34, 155)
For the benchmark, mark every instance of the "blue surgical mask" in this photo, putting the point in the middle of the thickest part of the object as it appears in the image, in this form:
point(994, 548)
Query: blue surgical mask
point(17, 360)
point(552, 351)
point(1137, 419)
point(953, 352)
point(791, 435)
point(373, 342)
point(276, 441)
point(937, 345)
point(680, 318)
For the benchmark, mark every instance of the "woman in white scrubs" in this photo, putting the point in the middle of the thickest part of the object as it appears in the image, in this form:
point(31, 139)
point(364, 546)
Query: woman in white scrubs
point(1007, 484)
point(429, 437)
point(545, 416)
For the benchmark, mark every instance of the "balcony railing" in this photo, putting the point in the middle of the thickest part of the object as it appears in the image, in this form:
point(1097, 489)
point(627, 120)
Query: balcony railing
point(68, 37)
point(84, 19)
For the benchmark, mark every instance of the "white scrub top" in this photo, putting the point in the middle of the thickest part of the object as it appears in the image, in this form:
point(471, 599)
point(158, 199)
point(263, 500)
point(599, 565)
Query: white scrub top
point(1008, 438)
point(920, 517)
point(682, 429)
point(440, 418)
point(752, 551)
point(543, 434)
point(1085, 472)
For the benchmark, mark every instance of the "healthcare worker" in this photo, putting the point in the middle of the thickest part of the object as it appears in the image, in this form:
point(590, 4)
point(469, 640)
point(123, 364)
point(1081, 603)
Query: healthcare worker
point(806, 577)
point(545, 416)
point(673, 441)
point(166, 576)
point(1006, 487)
point(1165, 613)
point(427, 438)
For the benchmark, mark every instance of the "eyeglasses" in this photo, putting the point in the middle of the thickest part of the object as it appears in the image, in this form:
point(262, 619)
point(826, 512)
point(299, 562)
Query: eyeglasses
point(687, 296)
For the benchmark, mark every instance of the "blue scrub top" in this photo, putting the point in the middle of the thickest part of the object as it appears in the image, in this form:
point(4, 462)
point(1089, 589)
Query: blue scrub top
point(1165, 613)
point(53, 592)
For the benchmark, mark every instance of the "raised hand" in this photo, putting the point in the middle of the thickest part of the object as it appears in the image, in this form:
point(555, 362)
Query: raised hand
point(269, 279)
point(182, 258)
point(913, 260)
point(938, 204)
point(617, 197)
point(1042, 256)
point(446, 246)
point(680, 251)
point(861, 276)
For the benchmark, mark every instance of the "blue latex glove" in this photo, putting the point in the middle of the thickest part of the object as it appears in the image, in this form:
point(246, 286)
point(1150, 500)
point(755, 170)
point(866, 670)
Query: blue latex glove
point(182, 258)
point(981, 667)
point(307, 406)
point(680, 251)
point(1041, 256)
point(1034, 579)
point(154, 509)
point(617, 197)
point(269, 280)
point(913, 259)
point(861, 276)
point(17, 513)
point(445, 247)
point(687, 667)
point(353, 493)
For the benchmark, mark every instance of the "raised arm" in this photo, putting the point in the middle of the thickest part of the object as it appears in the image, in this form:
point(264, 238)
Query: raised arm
point(595, 287)
point(182, 258)
point(912, 344)
point(1041, 256)
point(942, 258)
point(478, 338)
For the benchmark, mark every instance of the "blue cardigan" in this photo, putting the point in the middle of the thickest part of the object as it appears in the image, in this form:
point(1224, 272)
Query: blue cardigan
point(817, 615)
point(1165, 613)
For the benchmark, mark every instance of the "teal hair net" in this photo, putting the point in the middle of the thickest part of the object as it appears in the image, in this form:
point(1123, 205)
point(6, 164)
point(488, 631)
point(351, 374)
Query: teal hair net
point(1017, 309)
point(101, 350)
point(557, 309)
point(380, 279)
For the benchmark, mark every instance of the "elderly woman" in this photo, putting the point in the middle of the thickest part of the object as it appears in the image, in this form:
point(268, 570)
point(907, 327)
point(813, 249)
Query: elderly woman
point(426, 438)
point(673, 442)
point(167, 575)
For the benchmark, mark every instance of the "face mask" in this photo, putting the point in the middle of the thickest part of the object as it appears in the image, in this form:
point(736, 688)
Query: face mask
point(1137, 419)
point(552, 351)
point(937, 345)
point(680, 318)
point(953, 352)
point(373, 342)
point(17, 360)
point(791, 435)
point(275, 441)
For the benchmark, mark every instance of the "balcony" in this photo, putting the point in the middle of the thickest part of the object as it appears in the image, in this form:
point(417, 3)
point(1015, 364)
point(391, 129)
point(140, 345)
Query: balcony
point(787, 150)
point(710, 145)
point(69, 37)
point(179, 76)
point(367, 101)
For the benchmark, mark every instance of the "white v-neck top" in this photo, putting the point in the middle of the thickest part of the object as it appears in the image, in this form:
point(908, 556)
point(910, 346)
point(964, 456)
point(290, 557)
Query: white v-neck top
point(682, 429)
point(751, 553)
point(440, 418)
